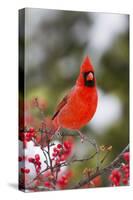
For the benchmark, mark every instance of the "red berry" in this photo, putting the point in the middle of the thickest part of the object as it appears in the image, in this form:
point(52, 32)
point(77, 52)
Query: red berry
point(21, 136)
point(125, 169)
point(37, 157)
point(55, 149)
point(32, 160)
point(59, 146)
point(27, 137)
point(127, 175)
point(65, 181)
point(62, 158)
point(125, 181)
point(58, 161)
point(54, 154)
point(27, 171)
point(47, 184)
point(31, 130)
point(22, 170)
point(67, 145)
point(116, 173)
point(115, 177)
point(126, 156)
point(20, 158)
point(61, 182)
point(64, 177)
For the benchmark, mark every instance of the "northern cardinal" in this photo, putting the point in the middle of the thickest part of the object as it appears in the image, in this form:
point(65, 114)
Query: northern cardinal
point(79, 106)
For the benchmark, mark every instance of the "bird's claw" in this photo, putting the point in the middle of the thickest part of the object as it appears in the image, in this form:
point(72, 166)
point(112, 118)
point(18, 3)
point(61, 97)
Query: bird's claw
point(82, 137)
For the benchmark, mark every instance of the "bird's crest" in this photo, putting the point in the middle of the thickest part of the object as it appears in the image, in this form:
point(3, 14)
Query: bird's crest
point(86, 66)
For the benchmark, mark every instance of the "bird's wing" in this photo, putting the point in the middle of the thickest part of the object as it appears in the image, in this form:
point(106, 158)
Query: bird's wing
point(61, 104)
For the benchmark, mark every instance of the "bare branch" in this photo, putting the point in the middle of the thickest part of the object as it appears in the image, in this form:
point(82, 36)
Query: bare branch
point(56, 167)
point(113, 164)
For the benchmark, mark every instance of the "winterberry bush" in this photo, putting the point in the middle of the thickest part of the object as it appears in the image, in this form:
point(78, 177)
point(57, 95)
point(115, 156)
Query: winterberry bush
point(120, 176)
point(51, 167)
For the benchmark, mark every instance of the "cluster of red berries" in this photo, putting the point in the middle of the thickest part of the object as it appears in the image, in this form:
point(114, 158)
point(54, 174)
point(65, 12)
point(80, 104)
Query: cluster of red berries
point(36, 162)
point(47, 184)
point(61, 152)
point(63, 180)
point(125, 169)
point(25, 170)
point(121, 175)
point(115, 177)
point(21, 158)
point(27, 136)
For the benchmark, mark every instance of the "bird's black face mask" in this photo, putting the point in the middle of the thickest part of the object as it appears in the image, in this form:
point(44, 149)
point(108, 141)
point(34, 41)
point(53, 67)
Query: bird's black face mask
point(89, 79)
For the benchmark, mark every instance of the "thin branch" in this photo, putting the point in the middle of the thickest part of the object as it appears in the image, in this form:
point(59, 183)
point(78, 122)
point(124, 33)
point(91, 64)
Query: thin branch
point(106, 169)
point(63, 164)
point(37, 176)
point(105, 156)
point(84, 159)
point(38, 107)
point(51, 166)
point(46, 159)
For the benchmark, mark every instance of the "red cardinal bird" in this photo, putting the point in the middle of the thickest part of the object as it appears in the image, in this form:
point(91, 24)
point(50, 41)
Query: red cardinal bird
point(78, 107)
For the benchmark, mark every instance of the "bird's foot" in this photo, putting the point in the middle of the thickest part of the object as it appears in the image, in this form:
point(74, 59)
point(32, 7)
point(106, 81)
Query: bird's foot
point(82, 137)
point(95, 145)
point(57, 134)
point(93, 142)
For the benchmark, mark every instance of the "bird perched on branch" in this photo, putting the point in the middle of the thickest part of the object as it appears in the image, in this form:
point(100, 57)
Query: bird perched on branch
point(79, 106)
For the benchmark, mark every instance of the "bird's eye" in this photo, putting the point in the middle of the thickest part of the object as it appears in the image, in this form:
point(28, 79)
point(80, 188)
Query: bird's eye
point(90, 76)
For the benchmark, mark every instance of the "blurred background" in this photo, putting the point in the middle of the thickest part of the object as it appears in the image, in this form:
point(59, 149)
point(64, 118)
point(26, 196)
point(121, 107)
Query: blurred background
point(56, 43)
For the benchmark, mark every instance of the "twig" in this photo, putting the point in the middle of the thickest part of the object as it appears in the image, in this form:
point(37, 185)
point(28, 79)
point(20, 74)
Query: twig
point(38, 107)
point(106, 169)
point(84, 159)
point(63, 164)
point(51, 167)
point(37, 176)
point(105, 156)
point(46, 159)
